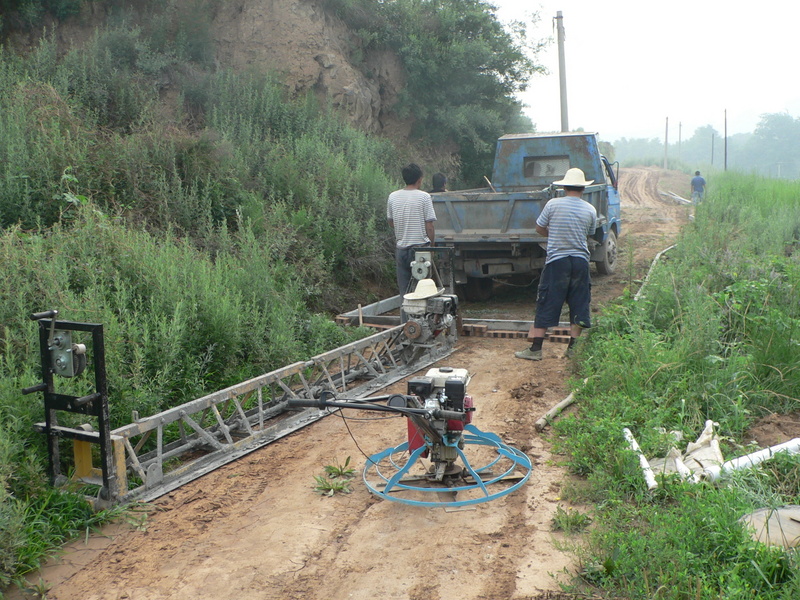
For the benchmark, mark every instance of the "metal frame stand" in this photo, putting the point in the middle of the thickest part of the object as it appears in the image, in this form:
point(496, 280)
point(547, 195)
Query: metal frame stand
point(94, 404)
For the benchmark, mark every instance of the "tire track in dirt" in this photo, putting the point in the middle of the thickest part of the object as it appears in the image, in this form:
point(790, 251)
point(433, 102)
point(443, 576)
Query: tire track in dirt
point(650, 223)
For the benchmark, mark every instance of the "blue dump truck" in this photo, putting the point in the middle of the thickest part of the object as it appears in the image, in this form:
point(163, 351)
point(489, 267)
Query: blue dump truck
point(491, 232)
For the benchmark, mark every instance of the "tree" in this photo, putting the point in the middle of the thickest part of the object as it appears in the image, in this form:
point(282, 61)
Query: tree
point(705, 147)
point(775, 145)
point(463, 69)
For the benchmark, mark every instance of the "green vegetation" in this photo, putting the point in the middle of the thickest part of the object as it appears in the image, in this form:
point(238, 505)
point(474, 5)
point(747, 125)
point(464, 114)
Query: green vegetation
point(325, 486)
point(463, 68)
point(714, 336)
point(570, 520)
point(336, 479)
point(340, 471)
point(27, 14)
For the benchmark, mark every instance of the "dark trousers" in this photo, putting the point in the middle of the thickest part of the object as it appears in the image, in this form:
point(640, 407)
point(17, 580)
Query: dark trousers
point(564, 280)
point(402, 260)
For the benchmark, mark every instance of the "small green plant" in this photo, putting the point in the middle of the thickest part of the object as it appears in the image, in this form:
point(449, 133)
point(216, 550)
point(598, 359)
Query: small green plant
point(326, 486)
point(339, 471)
point(336, 479)
point(38, 590)
point(570, 521)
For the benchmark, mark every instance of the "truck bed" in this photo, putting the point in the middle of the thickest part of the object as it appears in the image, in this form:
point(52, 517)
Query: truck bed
point(483, 215)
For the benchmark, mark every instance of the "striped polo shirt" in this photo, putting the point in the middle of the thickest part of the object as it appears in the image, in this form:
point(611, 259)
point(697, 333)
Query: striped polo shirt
point(569, 220)
point(409, 210)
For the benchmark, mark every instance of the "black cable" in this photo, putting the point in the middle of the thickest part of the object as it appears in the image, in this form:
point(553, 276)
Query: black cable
point(398, 412)
point(347, 426)
point(352, 437)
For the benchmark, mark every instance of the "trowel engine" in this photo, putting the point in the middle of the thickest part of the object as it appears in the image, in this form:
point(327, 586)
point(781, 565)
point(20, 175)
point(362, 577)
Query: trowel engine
point(439, 423)
point(441, 393)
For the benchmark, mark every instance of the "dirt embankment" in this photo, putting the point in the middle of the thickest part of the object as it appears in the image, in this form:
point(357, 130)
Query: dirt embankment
point(256, 528)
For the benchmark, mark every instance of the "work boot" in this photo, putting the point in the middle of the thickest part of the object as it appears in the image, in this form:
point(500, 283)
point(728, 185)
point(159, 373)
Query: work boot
point(529, 354)
point(569, 352)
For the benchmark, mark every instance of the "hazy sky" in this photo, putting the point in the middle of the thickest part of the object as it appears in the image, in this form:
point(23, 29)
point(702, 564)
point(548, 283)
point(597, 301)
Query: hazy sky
point(631, 64)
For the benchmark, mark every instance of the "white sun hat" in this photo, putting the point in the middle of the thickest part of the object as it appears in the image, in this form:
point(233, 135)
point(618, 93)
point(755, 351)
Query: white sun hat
point(574, 178)
point(426, 288)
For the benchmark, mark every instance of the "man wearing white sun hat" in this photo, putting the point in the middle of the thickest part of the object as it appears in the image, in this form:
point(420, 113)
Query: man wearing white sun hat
point(567, 223)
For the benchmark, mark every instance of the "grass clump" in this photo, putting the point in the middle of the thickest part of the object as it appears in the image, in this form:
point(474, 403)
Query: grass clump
point(340, 471)
point(570, 520)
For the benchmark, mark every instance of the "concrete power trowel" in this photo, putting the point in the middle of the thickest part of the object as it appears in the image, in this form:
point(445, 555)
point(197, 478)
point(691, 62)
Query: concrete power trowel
point(446, 459)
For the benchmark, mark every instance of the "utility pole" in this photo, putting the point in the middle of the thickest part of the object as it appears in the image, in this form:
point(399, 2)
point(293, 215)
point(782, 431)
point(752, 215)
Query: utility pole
point(562, 73)
point(666, 143)
point(726, 140)
point(680, 126)
point(712, 148)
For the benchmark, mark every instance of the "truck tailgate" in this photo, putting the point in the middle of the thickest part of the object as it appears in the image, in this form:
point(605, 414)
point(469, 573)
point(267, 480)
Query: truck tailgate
point(486, 216)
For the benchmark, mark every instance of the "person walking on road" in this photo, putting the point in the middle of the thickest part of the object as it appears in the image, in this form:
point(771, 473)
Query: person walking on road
point(410, 213)
point(567, 223)
point(698, 187)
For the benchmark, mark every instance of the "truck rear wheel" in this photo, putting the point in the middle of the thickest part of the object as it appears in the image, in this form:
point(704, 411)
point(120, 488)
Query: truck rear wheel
point(608, 264)
point(478, 289)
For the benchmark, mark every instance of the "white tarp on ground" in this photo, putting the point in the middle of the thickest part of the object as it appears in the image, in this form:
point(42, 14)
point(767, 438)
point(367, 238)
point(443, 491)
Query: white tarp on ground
point(699, 456)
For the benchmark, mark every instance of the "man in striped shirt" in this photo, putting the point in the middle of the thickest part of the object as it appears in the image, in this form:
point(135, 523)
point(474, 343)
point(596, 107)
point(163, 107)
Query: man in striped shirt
point(567, 223)
point(410, 213)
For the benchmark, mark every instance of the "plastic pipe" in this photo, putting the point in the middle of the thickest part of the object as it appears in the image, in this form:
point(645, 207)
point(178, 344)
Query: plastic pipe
point(649, 477)
point(650, 271)
point(684, 471)
point(714, 472)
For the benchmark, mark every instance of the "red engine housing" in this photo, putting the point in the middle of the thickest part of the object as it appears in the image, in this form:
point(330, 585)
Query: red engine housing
point(416, 438)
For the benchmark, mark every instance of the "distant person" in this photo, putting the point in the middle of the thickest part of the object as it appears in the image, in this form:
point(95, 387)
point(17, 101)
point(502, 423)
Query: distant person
point(567, 223)
point(439, 183)
point(698, 187)
point(410, 213)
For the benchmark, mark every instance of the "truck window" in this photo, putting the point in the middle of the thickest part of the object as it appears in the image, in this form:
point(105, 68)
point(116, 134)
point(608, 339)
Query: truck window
point(545, 166)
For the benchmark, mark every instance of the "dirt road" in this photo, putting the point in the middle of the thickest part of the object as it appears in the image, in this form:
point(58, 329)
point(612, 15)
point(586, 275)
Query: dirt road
point(257, 529)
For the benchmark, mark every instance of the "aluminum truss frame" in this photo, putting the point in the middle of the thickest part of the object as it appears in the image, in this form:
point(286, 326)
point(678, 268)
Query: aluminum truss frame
point(168, 449)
